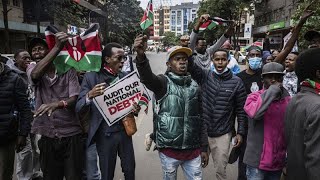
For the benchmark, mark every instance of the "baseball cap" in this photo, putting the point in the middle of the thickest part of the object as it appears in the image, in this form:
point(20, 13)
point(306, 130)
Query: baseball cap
point(178, 49)
point(272, 68)
point(309, 35)
point(185, 37)
point(35, 41)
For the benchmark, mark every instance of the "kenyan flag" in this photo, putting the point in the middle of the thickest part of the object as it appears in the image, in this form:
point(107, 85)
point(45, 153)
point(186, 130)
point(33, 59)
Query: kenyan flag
point(147, 19)
point(144, 100)
point(82, 52)
point(210, 24)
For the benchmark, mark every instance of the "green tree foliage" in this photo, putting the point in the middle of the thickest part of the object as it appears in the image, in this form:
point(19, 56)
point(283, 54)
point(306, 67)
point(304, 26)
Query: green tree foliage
point(312, 23)
point(123, 22)
point(170, 39)
point(68, 12)
point(121, 25)
point(227, 9)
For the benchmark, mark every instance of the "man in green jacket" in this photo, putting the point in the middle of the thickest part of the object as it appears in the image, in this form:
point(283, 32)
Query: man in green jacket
point(180, 133)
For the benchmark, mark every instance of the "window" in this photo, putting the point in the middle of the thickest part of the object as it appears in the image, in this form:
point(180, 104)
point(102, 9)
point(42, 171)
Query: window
point(173, 28)
point(193, 10)
point(193, 16)
point(179, 18)
point(178, 28)
point(173, 12)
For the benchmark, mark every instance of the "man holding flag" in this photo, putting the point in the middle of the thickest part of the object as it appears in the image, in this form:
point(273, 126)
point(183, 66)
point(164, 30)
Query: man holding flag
point(61, 147)
point(199, 44)
point(180, 133)
point(147, 18)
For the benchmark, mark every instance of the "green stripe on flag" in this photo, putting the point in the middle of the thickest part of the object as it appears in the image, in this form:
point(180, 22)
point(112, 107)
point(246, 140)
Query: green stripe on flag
point(212, 25)
point(91, 63)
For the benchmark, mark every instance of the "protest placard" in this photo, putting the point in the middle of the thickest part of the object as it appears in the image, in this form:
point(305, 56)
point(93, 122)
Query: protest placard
point(117, 100)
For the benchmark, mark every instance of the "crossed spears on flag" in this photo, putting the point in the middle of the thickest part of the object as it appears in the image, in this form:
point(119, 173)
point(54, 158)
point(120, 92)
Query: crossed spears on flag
point(82, 52)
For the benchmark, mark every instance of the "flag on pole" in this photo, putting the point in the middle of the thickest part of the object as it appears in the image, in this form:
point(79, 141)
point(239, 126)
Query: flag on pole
point(147, 19)
point(82, 52)
point(210, 24)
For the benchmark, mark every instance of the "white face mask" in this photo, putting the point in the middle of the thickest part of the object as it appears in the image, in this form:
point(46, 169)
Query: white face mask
point(215, 71)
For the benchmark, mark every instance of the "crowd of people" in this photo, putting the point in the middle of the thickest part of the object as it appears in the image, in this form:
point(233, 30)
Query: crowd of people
point(48, 121)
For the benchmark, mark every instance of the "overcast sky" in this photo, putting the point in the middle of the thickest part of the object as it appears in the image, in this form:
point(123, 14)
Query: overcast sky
point(144, 3)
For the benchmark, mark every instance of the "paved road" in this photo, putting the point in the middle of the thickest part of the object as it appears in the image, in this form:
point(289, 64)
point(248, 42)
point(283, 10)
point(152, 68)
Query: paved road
point(148, 165)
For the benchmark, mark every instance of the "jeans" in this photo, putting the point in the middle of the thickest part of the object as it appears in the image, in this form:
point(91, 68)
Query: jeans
point(7, 160)
point(28, 164)
point(191, 168)
point(62, 157)
point(258, 174)
point(92, 170)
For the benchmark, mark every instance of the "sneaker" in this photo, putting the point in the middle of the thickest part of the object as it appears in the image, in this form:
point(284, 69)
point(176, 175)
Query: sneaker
point(148, 142)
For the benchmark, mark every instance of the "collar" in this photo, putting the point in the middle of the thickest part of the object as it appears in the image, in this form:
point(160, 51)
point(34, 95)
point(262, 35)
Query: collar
point(180, 80)
point(290, 74)
point(311, 84)
point(224, 76)
point(107, 68)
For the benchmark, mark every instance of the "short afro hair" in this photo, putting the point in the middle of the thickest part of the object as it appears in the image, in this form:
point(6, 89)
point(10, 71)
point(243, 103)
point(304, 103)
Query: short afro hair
point(307, 64)
point(200, 39)
point(221, 50)
point(107, 50)
point(16, 54)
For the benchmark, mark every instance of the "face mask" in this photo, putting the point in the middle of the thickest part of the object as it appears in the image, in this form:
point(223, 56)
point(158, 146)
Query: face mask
point(215, 71)
point(255, 63)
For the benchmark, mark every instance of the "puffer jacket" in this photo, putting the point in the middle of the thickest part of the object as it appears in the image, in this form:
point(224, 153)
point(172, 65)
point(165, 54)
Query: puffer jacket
point(223, 98)
point(13, 97)
point(266, 147)
point(179, 127)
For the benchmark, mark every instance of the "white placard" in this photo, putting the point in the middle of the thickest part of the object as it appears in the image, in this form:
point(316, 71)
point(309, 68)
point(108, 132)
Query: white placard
point(247, 30)
point(117, 100)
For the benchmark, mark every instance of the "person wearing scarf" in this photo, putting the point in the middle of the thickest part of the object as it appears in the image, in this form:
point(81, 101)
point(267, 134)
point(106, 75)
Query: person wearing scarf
point(302, 120)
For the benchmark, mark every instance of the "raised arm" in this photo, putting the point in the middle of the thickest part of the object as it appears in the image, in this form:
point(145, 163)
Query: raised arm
point(295, 34)
point(257, 104)
point(197, 73)
point(155, 83)
point(42, 66)
point(222, 39)
point(194, 34)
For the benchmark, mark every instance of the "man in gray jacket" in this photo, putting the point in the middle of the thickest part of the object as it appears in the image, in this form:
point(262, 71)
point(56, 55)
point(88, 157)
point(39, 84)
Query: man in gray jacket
point(198, 45)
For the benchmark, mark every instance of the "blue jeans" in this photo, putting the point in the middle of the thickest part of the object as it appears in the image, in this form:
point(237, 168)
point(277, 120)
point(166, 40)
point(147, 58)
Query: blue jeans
point(258, 174)
point(191, 168)
point(93, 172)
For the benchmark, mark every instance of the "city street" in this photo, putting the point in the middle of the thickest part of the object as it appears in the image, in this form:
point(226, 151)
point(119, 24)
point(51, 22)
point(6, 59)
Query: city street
point(148, 165)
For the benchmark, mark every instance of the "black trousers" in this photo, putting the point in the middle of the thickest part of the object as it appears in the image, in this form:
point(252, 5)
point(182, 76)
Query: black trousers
point(111, 145)
point(7, 153)
point(62, 157)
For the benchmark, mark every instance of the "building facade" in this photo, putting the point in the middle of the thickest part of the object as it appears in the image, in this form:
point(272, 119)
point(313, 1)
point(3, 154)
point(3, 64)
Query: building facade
point(161, 20)
point(20, 31)
point(180, 17)
point(274, 16)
